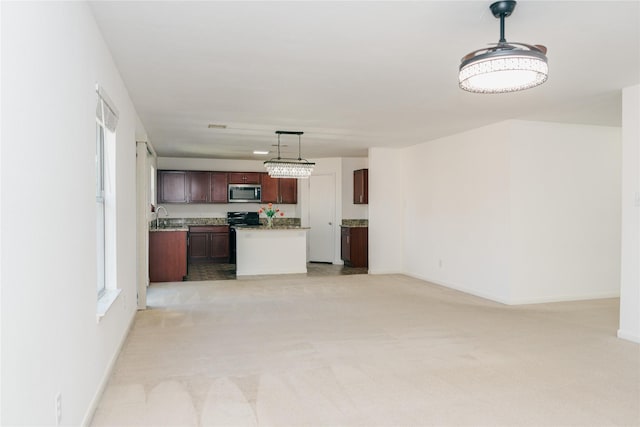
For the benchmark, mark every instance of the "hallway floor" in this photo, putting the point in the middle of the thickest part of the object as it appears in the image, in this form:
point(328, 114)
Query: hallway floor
point(367, 350)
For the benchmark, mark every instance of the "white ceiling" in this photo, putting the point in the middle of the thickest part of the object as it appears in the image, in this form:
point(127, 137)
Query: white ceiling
point(354, 75)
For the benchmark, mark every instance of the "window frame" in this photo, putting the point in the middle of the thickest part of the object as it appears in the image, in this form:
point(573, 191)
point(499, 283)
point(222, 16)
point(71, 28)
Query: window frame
point(101, 249)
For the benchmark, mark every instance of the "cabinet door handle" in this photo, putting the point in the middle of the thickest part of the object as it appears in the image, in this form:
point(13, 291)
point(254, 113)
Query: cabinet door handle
point(348, 239)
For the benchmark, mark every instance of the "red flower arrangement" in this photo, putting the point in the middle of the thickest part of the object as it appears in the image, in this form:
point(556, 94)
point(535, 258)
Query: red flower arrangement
point(270, 211)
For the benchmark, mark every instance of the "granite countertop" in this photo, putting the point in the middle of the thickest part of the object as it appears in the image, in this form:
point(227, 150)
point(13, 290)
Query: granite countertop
point(179, 223)
point(264, 228)
point(354, 223)
point(153, 230)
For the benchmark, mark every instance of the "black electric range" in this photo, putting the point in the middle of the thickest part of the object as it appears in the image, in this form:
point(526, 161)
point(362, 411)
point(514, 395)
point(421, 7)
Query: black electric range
point(239, 218)
point(243, 218)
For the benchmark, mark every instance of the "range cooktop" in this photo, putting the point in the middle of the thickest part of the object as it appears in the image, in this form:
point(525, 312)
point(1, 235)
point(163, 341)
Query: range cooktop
point(243, 218)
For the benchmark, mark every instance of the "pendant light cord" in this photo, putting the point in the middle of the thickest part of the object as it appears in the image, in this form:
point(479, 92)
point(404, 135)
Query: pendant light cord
point(278, 146)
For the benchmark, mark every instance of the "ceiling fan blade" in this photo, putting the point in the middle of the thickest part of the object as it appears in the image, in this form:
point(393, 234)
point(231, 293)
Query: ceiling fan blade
point(537, 47)
point(542, 48)
point(492, 47)
point(506, 46)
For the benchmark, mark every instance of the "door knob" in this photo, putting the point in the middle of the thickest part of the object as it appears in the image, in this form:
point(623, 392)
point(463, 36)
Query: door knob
point(330, 224)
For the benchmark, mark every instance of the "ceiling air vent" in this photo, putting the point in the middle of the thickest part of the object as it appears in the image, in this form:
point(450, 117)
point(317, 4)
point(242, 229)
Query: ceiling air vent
point(216, 126)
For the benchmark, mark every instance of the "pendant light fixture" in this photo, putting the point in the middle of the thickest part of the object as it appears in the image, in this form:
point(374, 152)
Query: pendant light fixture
point(289, 168)
point(503, 67)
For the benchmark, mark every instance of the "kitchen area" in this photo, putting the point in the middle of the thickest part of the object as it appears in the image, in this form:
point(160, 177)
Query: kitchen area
point(212, 224)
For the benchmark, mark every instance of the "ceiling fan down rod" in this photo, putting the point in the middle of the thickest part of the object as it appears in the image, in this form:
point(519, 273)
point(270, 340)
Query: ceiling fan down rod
point(502, 9)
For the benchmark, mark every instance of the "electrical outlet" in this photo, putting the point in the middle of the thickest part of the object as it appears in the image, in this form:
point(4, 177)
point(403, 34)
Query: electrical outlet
point(58, 409)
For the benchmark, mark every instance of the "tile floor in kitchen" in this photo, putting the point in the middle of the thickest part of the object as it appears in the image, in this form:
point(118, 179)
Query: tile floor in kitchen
point(208, 271)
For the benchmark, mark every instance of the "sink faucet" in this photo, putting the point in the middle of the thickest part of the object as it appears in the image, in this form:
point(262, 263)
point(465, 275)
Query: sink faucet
point(158, 214)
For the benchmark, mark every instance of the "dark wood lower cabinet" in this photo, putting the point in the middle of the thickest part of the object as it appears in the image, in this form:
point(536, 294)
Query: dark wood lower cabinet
point(209, 244)
point(199, 246)
point(354, 245)
point(167, 256)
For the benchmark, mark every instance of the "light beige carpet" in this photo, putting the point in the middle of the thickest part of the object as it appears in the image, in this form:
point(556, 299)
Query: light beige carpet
point(367, 350)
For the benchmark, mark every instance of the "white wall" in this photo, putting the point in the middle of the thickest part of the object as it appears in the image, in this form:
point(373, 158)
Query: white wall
point(457, 211)
point(52, 57)
point(387, 198)
point(630, 265)
point(565, 212)
point(349, 209)
point(517, 212)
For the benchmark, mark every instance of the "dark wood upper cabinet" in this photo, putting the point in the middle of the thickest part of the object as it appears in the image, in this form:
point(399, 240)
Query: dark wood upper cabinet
point(279, 190)
point(211, 187)
point(269, 188)
point(361, 186)
point(288, 190)
point(199, 187)
point(172, 187)
point(244, 177)
point(219, 181)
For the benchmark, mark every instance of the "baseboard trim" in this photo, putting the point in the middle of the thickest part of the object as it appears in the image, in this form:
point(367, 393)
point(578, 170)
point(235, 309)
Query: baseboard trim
point(564, 298)
point(521, 301)
point(626, 335)
point(459, 288)
point(380, 272)
point(107, 374)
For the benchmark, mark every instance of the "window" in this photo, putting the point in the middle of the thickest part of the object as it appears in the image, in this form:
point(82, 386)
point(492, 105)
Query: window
point(152, 183)
point(100, 209)
point(106, 121)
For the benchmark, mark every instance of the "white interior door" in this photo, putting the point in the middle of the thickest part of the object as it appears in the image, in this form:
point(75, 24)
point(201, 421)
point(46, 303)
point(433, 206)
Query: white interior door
point(322, 201)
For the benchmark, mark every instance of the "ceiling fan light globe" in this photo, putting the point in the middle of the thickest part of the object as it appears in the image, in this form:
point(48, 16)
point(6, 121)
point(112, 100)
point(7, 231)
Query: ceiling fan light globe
point(497, 72)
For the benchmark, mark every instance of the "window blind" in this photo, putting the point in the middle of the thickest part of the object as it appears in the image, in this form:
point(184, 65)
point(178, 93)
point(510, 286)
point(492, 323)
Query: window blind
point(106, 112)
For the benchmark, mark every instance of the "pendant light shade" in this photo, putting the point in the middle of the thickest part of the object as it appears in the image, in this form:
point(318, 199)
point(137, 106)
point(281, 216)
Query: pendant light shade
point(289, 168)
point(503, 67)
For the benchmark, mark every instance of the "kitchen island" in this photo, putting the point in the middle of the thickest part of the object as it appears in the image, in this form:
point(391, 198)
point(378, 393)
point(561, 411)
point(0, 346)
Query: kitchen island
point(277, 250)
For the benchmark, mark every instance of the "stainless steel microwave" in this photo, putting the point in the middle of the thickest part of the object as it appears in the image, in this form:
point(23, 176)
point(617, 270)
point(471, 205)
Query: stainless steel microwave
point(244, 193)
